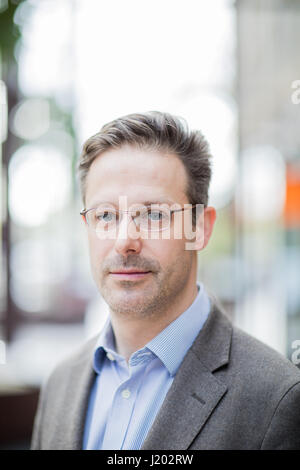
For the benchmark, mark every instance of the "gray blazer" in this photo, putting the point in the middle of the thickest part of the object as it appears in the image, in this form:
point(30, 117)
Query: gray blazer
point(230, 392)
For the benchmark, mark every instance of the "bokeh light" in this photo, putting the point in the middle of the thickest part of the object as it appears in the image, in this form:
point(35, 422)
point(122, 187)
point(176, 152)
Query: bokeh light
point(40, 180)
point(262, 189)
point(38, 266)
point(30, 119)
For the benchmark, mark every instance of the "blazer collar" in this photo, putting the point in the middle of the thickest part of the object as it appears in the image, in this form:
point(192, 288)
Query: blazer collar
point(212, 346)
point(195, 391)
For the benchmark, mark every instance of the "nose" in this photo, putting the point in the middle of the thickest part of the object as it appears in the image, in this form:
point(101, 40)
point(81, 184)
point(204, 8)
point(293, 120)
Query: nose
point(128, 238)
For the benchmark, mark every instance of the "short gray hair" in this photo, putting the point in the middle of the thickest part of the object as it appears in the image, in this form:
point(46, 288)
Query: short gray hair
point(159, 131)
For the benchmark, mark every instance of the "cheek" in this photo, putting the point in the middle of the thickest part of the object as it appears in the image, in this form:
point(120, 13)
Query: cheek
point(97, 251)
point(168, 252)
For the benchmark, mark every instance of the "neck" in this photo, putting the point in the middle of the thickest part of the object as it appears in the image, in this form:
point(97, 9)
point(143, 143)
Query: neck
point(132, 334)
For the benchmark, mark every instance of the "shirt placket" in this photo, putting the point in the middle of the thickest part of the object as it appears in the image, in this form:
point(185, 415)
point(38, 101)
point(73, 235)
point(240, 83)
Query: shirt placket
point(123, 404)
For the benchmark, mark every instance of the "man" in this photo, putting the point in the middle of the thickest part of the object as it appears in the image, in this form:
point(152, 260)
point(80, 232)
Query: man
point(169, 370)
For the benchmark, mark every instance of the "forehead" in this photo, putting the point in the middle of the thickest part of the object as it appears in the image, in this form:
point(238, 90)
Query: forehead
point(140, 174)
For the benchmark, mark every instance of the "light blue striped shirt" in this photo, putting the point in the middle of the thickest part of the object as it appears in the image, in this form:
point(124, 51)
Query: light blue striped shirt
point(125, 398)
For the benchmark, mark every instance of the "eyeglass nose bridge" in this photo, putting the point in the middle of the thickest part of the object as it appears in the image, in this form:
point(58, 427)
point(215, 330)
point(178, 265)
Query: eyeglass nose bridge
point(124, 233)
point(132, 218)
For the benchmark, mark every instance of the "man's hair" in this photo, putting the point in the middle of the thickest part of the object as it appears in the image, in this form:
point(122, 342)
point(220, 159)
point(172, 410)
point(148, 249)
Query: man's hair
point(156, 131)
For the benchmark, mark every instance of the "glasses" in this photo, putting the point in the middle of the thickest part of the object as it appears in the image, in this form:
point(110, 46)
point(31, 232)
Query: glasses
point(146, 219)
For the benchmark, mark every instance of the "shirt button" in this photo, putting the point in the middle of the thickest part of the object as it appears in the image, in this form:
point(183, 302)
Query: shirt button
point(126, 393)
point(110, 356)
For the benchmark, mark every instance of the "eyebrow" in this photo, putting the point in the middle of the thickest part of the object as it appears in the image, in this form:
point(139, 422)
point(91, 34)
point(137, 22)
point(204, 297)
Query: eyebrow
point(145, 203)
point(166, 201)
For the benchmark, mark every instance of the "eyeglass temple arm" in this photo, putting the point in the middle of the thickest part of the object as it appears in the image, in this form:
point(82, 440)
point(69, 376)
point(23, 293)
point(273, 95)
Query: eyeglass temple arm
point(183, 208)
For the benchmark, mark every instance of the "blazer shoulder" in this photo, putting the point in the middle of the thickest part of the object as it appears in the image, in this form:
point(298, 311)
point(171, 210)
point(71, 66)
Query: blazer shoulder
point(82, 355)
point(254, 358)
point(67, 385)
point(250, 363)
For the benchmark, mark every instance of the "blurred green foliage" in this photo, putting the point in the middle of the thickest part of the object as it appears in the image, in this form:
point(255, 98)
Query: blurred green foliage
point(9, 31)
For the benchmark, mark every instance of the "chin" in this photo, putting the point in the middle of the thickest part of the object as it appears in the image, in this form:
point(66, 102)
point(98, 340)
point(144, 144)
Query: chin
point(130, 301)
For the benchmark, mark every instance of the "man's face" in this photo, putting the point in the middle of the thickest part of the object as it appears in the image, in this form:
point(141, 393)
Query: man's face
point(142, 176)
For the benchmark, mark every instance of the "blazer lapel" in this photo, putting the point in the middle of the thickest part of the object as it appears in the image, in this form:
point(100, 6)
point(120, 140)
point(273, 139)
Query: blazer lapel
point(76, 401)
point(195, 391)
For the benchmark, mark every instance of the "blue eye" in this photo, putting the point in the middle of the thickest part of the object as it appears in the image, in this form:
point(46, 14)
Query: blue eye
point(106, 216)
point(155, 215)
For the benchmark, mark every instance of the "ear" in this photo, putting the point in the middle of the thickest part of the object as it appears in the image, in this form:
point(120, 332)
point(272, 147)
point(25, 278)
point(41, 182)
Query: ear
point(204, 227)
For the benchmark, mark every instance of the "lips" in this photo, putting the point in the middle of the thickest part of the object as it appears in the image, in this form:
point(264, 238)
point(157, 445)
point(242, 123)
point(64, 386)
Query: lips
point(129, 271)
point(129, 274)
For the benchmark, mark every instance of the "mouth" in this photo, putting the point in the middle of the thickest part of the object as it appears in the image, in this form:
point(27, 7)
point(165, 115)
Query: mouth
point(129, 274)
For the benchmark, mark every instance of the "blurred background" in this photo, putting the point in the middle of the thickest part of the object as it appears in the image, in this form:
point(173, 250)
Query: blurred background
point(232, 69)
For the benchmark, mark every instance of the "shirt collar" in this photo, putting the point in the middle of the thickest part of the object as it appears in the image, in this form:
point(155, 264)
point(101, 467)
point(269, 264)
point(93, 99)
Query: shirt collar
point(172, 343)
point(105, 344)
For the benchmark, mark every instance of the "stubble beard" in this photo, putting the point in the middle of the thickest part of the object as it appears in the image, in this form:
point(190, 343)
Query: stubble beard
point(133, 301)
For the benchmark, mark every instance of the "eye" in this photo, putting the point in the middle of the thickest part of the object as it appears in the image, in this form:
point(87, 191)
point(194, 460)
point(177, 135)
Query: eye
point(105, 216)
point(155, 215)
